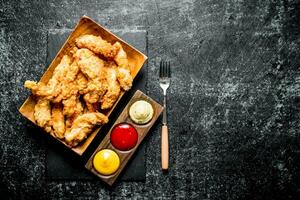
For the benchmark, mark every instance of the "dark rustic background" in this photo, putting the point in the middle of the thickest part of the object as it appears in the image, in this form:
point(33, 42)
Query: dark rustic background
point(233, 104)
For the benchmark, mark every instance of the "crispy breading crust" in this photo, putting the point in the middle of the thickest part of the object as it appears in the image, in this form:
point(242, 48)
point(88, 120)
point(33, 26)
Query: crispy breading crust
point(97, 45)
point(58, 121)
point(42, 114)
point(82, 126)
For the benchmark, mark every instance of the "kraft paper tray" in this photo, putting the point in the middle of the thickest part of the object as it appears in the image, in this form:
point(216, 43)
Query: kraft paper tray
point(85, 26)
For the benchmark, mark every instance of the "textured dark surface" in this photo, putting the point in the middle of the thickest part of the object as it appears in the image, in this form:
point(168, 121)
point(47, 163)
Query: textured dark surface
point(233, 104)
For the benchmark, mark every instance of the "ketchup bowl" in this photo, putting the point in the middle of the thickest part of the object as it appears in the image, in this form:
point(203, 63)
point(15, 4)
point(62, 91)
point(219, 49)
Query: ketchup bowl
point(124, 136)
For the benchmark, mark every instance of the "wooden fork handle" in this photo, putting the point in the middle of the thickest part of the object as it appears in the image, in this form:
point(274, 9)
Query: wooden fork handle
point(164, 148)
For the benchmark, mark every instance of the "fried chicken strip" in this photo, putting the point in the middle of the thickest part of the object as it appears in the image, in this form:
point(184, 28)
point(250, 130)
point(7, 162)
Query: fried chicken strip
point(72, 106)
point(42, 114)
point(82, 126)
point(123, 71)
point(113, 87)
point(51, 89)
point(93, 68)
point(89, 64)
point(58, 121)
point(97, 45)
point(81, 82)
point(68, 83)
point(70, 119)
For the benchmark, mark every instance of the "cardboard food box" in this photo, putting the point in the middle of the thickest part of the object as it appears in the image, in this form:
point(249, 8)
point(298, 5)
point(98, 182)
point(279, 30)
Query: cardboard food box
point(85, 26)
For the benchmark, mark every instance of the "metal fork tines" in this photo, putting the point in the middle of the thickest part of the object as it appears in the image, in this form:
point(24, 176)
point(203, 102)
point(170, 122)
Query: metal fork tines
point(164, 82)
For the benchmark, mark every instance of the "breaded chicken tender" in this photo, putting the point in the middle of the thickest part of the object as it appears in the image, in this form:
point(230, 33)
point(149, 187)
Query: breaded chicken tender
point(72, 72)
point(67, 83)
point(72, 115)
point(82, 126)
point(42, 114)
point(81, 82)
point(41, 89)
point(93, 68)
point(123, 71)
point(97, 45)
point(51, 89)
point(89, 64)
point(58, 121)
point(113, 87)
point(61, 69)
point(72, 106)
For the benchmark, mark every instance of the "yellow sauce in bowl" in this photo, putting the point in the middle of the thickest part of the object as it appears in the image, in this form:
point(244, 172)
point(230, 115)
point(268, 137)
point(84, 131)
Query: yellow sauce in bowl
point(141, 112)
point(106, 162)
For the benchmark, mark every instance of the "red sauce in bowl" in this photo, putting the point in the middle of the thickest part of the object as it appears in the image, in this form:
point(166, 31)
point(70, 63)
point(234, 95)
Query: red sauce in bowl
point(124, 136)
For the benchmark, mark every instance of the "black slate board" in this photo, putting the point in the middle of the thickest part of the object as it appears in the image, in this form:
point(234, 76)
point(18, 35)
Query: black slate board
point(62, 163)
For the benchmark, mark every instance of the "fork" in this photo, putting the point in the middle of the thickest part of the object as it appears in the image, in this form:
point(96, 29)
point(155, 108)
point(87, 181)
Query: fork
point(164, 82)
